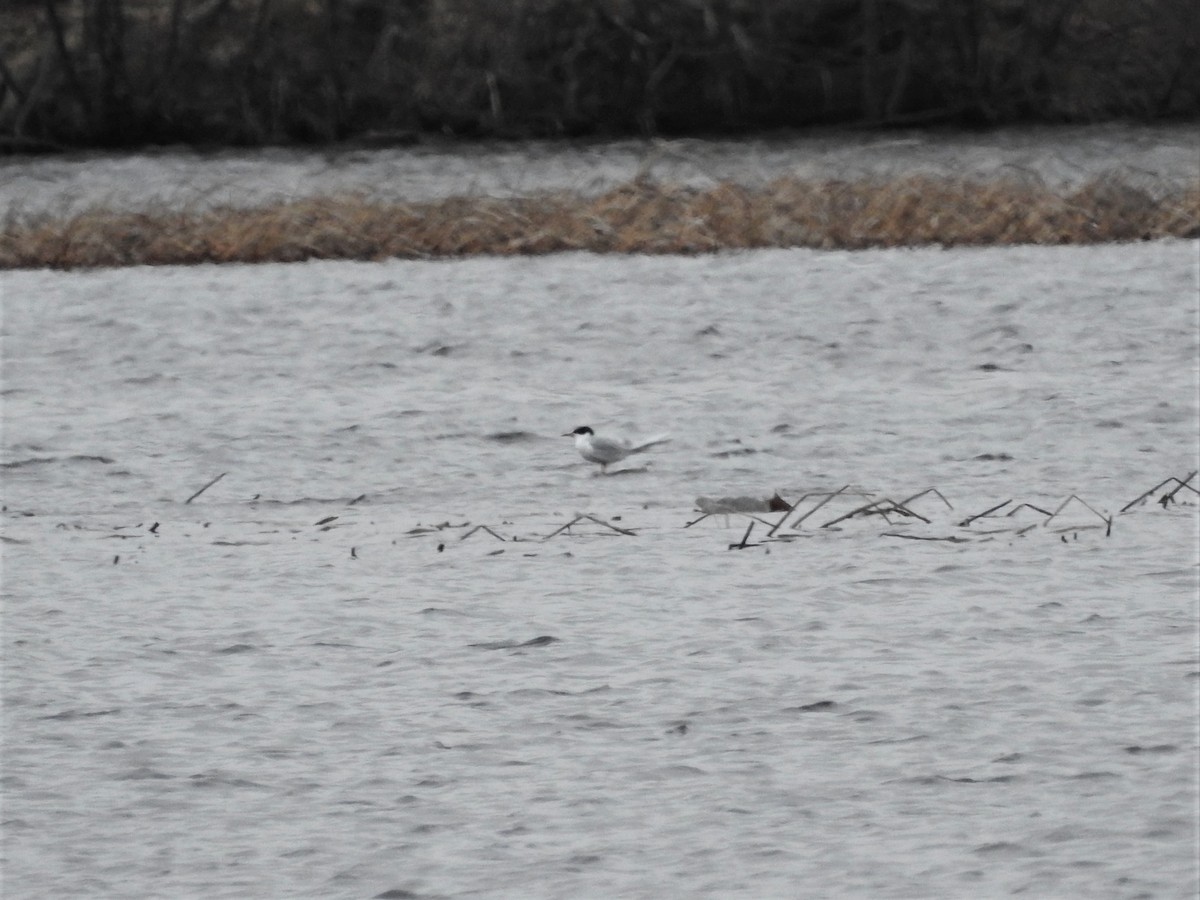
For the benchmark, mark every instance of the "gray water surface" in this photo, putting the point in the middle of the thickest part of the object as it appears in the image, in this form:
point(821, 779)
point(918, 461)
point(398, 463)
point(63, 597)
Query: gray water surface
point(314, 680)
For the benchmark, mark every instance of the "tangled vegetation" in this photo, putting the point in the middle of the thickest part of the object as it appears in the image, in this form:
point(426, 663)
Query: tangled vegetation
point(120, 73)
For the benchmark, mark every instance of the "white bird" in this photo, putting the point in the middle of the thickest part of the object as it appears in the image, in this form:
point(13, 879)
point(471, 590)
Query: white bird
point(605, 450)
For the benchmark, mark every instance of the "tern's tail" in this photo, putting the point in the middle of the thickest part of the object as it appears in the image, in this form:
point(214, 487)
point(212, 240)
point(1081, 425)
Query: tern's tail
point(653, 442)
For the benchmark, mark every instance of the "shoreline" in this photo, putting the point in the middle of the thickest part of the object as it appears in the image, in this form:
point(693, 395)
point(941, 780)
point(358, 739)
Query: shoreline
point(640, 216)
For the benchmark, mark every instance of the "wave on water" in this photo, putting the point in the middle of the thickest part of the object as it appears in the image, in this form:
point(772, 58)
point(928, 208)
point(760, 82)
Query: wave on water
point(50, 460)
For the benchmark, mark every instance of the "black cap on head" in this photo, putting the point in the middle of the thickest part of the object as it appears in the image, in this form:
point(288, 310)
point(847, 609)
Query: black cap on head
point(583, 429)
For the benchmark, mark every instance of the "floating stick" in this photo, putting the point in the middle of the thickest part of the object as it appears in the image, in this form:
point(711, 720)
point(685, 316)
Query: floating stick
point(592, 518)
point(905, 511)
point(743, 545)
point(877, 507)
point(1063, 506)
point(931, 490)
point(1166, 498)
point(969, 519)
point(746, 536)
point(609, 525)
point(1142, 496)
point(1017, 509)
point(826, 494)
point(562, 528)
point(800, 520)
point(853, 512)
point(481, 528)
point(205, 488)
point(917, 537)
point(694, 521)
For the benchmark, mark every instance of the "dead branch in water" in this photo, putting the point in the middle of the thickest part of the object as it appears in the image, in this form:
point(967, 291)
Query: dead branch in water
point(591, 518)
point(828, 495)
point(1180, 484)
point(205, 488)
point(1017, 509)
point(482, 528)
point(920, 494)
point(1107, 520)
point(987, 512)
point(742, 545)
point(879, 507)
point(951, 539)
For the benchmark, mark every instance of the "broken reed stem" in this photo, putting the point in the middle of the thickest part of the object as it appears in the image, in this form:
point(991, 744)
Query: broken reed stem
point(637, 217)
point(1016, 509)
point(931, 490)
point(1167, 498)
point(950, 539)
point(905, 511)
point(610, 525)
point(205, 488)
point(591, 518)
point(746, 536)
point(1180, 484)
point(561, 528)
point(1076, 497)
point(877, 506)
point(482, 528)
point(800, 521)
point(742, 545)
point(852, 513)
point(991, 509)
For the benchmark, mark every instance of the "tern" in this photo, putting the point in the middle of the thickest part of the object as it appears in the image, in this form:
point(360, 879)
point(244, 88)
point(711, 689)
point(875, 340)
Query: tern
point(605, 450)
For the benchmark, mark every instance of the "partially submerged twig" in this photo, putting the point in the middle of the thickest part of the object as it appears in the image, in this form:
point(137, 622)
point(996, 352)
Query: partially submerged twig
point(1016, 509)
point(877, 507)
point(987, 512)
point(828, 495)
point(1168, 498)
point(610, 525)
point(929, 490)
point(205, 488)
point(1180, 484)
point(482, 528)
point(838, 492)
point(745, 537)
point(916, 537)
point(592, 518)
point(1107, 520)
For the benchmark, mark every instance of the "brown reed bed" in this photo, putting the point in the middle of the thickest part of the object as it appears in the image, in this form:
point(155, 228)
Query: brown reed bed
point(638, 217)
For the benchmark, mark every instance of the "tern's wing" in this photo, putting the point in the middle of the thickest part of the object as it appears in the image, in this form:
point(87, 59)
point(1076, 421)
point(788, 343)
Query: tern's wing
point(609, 449)
point(651, 442)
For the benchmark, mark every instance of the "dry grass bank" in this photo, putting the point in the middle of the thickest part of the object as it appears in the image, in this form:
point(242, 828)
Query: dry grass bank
point(639, 217)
